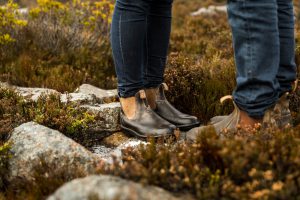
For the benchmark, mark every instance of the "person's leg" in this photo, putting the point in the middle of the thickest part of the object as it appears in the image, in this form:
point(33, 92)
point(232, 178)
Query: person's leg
point(255, 28)
point(287, 68)
point(128, 33)
point(159, 21)
point(255, 32)
point(157, 42)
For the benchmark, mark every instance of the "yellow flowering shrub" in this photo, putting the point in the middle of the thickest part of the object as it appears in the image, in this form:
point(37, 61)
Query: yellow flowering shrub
point(9, 19)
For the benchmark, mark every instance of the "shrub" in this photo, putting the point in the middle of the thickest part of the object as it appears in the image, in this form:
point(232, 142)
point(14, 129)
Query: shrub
point(46, 180)
point(5, 154)
point(10, 25)
point(197, 88)
point(48, 111)
point(264, 165)
point(69, 38)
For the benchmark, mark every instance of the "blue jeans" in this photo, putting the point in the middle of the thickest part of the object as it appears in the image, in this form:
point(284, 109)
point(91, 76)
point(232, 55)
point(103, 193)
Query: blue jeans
point(140, 36)
point(264, 47)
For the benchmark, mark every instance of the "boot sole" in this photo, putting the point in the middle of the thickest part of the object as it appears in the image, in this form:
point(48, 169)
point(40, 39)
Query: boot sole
point(136, 134)
point(188, 126)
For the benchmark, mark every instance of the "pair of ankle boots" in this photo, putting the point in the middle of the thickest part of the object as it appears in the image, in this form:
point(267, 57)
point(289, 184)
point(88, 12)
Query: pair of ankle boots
point(161, 121)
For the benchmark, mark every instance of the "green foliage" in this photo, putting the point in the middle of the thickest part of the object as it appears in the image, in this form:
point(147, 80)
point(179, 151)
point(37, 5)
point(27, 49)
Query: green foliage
point(5, 154)
point(197, 88)
point(12, 112)
point(264, 165)
point(68, 118)
point(69, 39)
point(46, 180)
point(9, 19)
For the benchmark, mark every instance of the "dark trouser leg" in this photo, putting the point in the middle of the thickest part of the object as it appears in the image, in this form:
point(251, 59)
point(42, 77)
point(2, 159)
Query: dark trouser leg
point(287, 67)
point(157, 41)
point(128, 34)
point(257, 52)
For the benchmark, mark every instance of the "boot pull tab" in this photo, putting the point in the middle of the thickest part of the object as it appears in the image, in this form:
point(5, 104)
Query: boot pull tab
point(228, 97)
point(296, 85)
point(165, 86)
point(142, 94)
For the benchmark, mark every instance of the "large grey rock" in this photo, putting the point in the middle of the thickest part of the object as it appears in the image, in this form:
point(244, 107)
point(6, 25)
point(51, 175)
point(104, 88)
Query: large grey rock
point(101, 95)
point(32, 142)
point(109, 188)
point(107, 117)
point(79, 98)
point(29, 93)
point(34, 93)
point(109, 154)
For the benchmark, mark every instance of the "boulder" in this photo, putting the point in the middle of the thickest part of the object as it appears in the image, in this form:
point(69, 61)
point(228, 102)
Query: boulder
point(79, 98)
point(108, 188)
point(106, 96)
point(34, 93)
point(109, 154)
point(107, 117)
point(32, 142)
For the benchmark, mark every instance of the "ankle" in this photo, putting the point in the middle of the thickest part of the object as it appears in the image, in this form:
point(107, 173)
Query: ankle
point(128, 107)
point(151, 94)
point(246, 122)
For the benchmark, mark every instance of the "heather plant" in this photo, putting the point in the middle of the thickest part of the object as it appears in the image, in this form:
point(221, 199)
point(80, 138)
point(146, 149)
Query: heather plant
point(260, 165)
point(66, 42)
point(5, 154)
point(68, 118)
point(197, 88)
point(46, 180)
point(10, 26)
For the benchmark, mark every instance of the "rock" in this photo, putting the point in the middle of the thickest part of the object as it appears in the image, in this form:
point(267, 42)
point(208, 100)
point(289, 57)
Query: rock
point(79, 98)
point(4, 84)
point(106, 96)
point(108, 188)
point(31, 142)
point(29, 93)
point(34, 93)
point(115, 139)
point(211, 10)
point(108, 153)
point(107, 116)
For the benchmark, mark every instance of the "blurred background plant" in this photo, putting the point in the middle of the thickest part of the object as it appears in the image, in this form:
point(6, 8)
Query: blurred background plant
point(61, 46)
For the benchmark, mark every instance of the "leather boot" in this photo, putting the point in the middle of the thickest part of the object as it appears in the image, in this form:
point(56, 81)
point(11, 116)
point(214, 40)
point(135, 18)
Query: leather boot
point(157, 99)
point(146, 123)
point(278, 116)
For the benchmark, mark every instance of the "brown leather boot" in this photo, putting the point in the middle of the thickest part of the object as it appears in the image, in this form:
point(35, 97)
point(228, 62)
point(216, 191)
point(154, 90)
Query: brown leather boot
point(278, 116)
point(161, 106)
point(145, 122)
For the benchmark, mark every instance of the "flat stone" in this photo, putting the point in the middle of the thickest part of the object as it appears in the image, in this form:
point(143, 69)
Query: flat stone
point(108, 154)
point(109, 188)
point(115, 139)
point(29, 93)
point(4, 84)
point(79, 98)
point(104, 96)
point(106, 115)
point(34, 93)
point(32, 142)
